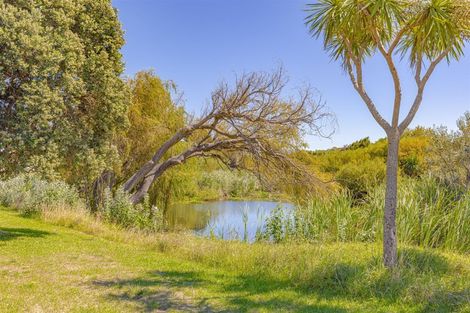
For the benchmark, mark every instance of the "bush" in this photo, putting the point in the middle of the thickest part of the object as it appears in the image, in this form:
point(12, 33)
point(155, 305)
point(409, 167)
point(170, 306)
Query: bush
point(118, 209)
point(229, 183)
point(358, 176)
point(410, 166)
point(31, 194)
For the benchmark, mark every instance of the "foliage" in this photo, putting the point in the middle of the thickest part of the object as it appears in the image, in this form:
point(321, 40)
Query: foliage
point(118, 209)
point(247, 125)
point(352, 28)
point(154, 115)
point(361, 143)
point(449, 154)
point(200, 181)
point(230, 183)
point(361, 165)
point(357, 177)
point(425, 31)
point(429, 215)
point(31, 194)
point(61, 98)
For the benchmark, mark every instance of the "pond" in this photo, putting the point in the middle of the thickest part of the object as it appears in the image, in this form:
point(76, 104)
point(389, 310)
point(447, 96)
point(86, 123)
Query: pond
point(223, 219)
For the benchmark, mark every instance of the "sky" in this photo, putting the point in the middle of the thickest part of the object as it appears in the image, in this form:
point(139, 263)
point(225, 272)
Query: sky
point(198, 43)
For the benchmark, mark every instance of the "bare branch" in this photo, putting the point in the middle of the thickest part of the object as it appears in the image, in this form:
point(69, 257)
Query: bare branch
point(393, 71)
point(358, 84)
point(421, 85)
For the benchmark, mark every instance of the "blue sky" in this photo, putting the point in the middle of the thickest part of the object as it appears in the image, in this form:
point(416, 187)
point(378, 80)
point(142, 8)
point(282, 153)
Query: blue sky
point(197, 43)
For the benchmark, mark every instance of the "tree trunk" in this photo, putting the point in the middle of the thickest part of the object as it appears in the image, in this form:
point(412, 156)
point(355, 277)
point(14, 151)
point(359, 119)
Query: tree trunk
point(156, 172)
point(390, 229)
point(140, 193)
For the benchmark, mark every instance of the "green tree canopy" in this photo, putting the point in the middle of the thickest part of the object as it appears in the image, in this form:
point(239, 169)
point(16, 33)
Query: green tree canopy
point(61, 96)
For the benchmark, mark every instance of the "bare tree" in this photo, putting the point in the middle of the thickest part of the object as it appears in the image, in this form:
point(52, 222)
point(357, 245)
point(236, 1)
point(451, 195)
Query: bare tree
point(248, 125)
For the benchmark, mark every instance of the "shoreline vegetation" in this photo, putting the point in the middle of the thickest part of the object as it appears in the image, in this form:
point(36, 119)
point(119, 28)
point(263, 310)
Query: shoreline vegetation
point(432, 215)
point(262, 196)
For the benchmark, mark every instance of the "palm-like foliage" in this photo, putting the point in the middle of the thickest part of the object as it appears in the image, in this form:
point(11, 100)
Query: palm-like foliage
point(424, 29)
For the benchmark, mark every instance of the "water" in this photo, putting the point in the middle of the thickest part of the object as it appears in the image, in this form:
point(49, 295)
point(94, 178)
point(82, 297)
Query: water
point(224, 219)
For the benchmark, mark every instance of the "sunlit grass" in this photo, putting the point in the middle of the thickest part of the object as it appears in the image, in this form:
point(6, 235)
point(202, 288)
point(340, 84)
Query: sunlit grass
point(89, 266)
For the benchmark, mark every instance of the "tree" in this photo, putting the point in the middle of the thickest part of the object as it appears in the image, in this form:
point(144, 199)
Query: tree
point(153, 115)
point(62, 100)
point(246, 126)
point(427, 32)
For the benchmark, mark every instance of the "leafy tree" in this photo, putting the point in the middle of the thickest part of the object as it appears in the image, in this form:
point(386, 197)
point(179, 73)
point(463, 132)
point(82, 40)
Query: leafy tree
point(153, 115)
point(62, 100)
point(427, 32)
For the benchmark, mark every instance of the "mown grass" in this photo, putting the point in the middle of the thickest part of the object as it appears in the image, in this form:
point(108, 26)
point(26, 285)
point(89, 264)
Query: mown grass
point(71, 262)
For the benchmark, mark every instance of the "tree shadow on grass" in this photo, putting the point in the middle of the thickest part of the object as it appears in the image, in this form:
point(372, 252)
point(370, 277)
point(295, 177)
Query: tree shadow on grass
point(7, 233)
point(332, 283)
point(447, 301)
point(157, 292)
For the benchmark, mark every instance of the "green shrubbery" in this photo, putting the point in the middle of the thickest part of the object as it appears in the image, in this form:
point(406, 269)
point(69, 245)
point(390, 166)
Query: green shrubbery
point(229, 183)
point(191, 182)
point(118, 209)
point(361, 165)
point(30, 194)
point(433, 211)
point(430, 214)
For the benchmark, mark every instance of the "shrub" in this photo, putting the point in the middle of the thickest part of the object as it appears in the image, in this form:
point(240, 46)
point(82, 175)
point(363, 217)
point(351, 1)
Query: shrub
point(410, 166)
point(358, 176)
point(31, 194)
point(449, 154)
point(229, 183)
point(118, 209)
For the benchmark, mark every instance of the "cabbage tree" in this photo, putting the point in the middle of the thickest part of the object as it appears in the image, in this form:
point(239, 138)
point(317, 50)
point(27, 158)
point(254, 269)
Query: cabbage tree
point(421, 32)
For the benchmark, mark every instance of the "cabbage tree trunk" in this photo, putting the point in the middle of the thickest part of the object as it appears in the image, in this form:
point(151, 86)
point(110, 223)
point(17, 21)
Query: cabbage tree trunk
point(389, 226)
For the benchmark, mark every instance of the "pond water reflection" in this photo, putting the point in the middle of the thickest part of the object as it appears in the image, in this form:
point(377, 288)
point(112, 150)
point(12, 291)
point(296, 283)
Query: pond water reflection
point(223, 219)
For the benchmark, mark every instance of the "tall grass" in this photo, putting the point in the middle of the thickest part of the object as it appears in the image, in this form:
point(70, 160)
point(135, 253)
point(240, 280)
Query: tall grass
point(429, 215)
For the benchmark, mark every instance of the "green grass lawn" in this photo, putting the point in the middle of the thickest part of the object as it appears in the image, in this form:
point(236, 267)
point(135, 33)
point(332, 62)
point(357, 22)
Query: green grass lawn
point(45, 267)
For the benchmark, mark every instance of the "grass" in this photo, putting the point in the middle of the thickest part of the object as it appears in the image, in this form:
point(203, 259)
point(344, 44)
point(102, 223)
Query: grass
point(69, 262)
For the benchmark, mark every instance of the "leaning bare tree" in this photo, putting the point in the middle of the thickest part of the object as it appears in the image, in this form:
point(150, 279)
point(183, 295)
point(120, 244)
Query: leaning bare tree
point(248, 125)
point(425, 31)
